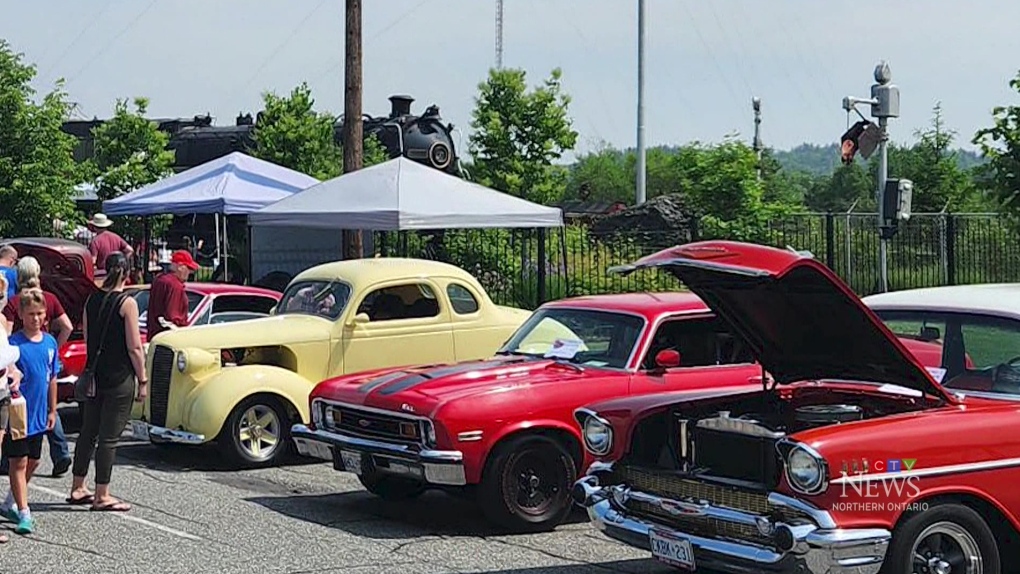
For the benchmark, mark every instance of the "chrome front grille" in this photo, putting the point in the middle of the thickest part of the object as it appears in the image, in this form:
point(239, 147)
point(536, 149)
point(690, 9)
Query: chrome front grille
point(159, 391)
point(668, 486)
point(374, 425)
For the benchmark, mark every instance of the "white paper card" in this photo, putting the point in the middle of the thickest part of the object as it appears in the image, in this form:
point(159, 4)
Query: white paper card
point(937, 372)
point(563, 349)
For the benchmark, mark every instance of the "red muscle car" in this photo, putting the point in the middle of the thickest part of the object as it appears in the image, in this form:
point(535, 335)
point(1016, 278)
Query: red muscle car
point(503, 428)
point(852, 458)
point(67, 272)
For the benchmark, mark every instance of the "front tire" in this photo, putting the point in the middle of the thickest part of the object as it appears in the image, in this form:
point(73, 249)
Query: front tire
point(945, 539)
point(391, 487)
point(526, 485)
point(256, 434)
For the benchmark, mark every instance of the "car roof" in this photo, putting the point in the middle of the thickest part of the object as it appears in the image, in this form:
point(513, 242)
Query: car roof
point(207, 289)
point(648, 305)
point(989, 298)
point(56, 243)
point(374, 269)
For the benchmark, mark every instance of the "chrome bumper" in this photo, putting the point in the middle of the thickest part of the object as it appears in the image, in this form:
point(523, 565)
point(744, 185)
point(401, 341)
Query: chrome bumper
point(813, 550)
point(144, 431)
point(439, 467)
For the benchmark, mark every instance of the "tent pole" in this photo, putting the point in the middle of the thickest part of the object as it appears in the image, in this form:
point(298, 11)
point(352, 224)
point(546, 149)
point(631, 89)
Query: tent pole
point(226, 251)
point(216, 219)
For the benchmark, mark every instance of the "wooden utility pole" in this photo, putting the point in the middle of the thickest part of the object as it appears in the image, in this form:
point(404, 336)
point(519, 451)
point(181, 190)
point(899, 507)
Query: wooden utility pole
point(353, 127)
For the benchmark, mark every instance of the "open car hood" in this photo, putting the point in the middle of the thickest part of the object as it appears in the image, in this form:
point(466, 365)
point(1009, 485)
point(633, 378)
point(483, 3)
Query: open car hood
point(60, 276)
point(798, 318)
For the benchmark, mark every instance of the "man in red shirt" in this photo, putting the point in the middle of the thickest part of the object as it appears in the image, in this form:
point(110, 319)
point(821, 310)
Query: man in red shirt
point(105, 241)
point(167, 298)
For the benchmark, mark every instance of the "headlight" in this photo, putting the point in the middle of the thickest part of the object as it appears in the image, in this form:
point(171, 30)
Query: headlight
point(317, 415)
point(805, 471)
point(332, 417)
point(182, 361)
point(598, 435)
point(429, 430)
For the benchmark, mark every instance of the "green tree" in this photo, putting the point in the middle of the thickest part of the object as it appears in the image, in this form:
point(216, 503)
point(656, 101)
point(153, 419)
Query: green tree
point(291, 133)
point(602, 175)
point(37, 169)
point(1000, 145)
point(518, 134)
point(130, 151)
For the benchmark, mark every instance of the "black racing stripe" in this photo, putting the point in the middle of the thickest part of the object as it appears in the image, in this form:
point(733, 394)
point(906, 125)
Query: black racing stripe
point(372, 384)
point(414, 381)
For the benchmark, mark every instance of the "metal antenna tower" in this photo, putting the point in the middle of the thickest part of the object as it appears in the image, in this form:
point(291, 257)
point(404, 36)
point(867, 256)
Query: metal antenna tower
point(499, 34)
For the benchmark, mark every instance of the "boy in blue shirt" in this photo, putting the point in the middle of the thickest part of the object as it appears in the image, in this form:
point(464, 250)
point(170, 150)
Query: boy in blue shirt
point(39, 364)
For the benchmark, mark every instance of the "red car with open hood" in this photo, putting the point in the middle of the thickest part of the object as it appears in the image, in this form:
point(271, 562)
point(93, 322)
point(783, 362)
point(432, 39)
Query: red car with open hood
point(503, 428)
point(854, 458)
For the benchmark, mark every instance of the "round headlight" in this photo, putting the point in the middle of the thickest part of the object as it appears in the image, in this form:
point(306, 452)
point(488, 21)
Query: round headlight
point(804, 470)
point(182, 361)
point(598, 436)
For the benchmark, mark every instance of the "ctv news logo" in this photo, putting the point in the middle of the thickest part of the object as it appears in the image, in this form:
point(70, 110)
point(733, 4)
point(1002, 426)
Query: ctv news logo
point(876, 489)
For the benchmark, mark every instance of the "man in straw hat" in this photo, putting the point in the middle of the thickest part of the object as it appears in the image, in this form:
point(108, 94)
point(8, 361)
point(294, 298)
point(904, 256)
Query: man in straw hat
point(105, 242)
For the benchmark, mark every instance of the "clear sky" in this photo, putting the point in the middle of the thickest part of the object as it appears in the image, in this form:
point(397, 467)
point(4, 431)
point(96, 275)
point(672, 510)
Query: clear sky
point(704, 60)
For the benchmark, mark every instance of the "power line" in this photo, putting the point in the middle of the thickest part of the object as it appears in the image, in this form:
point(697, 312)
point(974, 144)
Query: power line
point(337, 65)
point(279, 48)
point(112, 41)
point(56, 61)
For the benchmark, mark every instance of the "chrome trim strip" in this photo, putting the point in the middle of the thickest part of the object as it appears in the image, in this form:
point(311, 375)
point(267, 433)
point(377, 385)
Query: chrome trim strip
point(933, 471)
point(815, 551)
point(821, 517)
point(159, 434)
point(398, 414)
point(377, 447)
point(469, 436)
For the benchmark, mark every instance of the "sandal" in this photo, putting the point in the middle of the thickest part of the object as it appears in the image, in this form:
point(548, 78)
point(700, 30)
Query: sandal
point(118, 506)
point(4, 539)
point(78, 501)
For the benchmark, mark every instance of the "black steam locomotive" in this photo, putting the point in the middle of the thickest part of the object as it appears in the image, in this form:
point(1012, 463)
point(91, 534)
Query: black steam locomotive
point(425, 138)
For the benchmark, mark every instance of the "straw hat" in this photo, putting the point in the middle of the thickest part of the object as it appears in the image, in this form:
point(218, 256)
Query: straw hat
point(100, 220)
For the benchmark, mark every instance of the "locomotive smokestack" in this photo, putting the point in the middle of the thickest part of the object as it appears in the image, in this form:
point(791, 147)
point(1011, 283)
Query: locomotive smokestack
point(400, 105)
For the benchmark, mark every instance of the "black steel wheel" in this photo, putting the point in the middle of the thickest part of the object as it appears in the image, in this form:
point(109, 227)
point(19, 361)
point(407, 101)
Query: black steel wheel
point(526, 485)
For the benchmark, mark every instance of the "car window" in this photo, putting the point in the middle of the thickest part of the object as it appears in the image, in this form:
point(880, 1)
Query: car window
point(979, 352)
point(597, 338)
point(407, 301)
point(240, 302)
point(701, 342)
point(321, 298)
point(461, 299)
point(142, 299)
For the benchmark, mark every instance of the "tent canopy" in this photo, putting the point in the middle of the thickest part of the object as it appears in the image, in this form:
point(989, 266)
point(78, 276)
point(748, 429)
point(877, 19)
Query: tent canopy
point(402, 194)
point(231, 185)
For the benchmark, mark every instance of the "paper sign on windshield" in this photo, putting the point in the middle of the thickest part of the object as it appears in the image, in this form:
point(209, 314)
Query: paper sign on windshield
point(563, 349)
point(937, 373)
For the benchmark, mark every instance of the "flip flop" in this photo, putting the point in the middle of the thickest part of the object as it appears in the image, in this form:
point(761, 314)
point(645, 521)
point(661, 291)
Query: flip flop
point(80, 500)
point(4, 539)
point(119, 506)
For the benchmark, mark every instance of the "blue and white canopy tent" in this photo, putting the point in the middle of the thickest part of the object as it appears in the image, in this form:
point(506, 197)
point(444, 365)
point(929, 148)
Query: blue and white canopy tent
point(235, 184)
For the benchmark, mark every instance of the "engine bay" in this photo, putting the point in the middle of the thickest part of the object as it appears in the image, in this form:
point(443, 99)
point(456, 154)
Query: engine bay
point(735, 438)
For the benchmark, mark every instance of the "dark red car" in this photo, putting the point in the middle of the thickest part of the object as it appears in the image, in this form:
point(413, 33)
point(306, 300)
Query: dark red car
point(67, 272)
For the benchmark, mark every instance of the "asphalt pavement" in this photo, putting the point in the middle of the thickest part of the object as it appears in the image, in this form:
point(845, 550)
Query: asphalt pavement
point(190, 516)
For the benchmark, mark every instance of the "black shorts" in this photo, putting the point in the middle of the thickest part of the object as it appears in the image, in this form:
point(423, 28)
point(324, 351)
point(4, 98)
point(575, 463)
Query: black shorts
point(30, 447)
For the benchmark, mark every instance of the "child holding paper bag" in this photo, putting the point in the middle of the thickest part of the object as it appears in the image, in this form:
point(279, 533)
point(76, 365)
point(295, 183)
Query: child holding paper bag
point(39, 364)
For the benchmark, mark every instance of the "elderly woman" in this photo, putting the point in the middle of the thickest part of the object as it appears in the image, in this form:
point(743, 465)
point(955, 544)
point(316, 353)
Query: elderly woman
point(60, 327)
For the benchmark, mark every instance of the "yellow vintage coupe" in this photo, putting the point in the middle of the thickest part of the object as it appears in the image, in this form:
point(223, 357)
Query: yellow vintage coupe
point(243, 385)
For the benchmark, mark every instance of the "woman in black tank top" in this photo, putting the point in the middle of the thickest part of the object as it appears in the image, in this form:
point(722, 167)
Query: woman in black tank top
point(110, 325)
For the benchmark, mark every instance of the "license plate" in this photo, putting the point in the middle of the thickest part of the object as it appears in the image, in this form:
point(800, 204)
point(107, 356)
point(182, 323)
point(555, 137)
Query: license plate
point(352, 461)
point(140, 430)
point(672, 550)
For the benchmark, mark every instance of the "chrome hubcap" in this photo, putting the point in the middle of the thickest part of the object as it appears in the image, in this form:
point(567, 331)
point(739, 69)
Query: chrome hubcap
point(946, 548)
point(259, 432)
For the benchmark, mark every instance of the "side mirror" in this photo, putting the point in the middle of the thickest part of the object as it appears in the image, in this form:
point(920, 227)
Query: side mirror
point(359, 319)
point(667, 359)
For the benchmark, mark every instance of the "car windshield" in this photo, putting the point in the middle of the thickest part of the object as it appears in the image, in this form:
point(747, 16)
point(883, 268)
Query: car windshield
point(321, 298)
point(973, 352)
point(587, 337)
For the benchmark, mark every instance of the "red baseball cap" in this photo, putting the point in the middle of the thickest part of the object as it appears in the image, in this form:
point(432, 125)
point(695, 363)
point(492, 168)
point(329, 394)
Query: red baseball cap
point(182, 257)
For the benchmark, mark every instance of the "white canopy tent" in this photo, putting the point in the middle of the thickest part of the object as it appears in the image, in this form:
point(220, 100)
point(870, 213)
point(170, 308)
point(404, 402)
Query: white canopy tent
point(402, 194)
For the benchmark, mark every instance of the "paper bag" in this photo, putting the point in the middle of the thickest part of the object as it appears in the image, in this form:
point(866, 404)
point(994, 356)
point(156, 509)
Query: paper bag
point(18, 417)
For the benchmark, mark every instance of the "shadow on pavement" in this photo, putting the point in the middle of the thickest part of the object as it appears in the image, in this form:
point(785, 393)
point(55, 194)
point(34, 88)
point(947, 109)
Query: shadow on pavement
point(617, 566)
point(363, 514)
